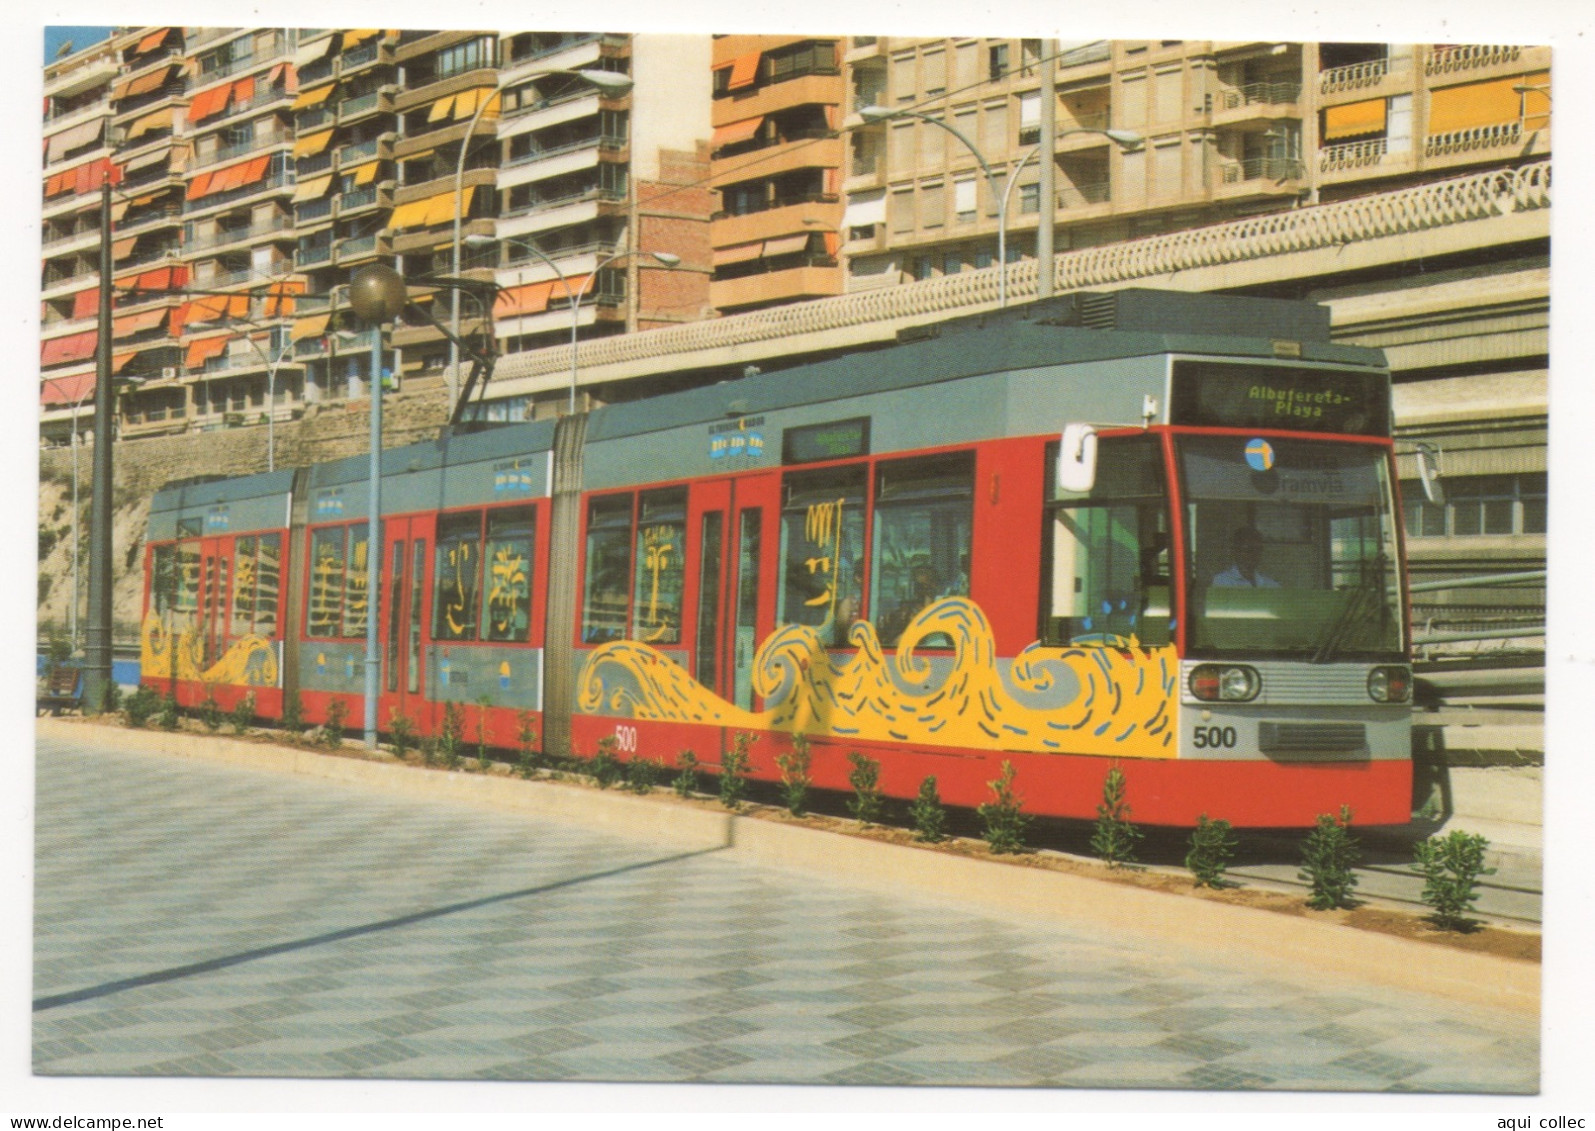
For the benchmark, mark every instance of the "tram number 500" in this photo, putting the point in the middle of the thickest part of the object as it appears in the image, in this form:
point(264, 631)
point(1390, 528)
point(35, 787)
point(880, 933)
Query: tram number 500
point(1213, 738)
point(626, 739)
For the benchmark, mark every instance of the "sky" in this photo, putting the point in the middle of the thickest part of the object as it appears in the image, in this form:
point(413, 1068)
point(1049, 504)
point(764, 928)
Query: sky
point(81, 37)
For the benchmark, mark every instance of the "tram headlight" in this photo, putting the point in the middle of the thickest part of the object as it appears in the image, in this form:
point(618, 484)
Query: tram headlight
point(1228, 683)
point(1391, 684)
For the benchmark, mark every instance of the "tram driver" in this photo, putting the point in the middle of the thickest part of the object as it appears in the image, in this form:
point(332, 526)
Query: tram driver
point(1246, 546)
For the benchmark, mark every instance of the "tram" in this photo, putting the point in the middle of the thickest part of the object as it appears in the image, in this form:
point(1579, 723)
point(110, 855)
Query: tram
point(1136, 529)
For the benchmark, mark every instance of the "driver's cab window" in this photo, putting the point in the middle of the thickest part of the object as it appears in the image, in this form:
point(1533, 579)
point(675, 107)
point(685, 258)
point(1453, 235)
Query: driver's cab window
point(1106, 577)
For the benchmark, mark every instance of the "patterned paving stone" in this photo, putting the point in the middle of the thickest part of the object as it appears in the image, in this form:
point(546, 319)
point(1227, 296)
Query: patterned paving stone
point(221, 922)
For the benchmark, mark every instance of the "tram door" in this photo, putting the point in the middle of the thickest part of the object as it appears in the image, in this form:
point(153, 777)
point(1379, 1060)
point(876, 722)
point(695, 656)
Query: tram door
point(731, 524)
point(215, 592)
point(405, 576)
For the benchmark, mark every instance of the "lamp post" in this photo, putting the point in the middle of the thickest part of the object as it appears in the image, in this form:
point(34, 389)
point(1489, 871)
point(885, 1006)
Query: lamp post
point(376, 293)
point(1123, 138)
point(573, 296)
point(607, 83)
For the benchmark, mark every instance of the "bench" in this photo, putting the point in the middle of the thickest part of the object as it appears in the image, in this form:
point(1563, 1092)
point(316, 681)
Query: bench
point(63, 690)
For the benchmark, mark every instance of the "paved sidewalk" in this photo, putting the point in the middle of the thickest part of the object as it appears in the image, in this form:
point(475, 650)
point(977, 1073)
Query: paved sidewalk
point(201, 919)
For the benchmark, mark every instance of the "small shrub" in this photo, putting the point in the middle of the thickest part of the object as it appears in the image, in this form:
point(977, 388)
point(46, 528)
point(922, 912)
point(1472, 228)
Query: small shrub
point(403, 731)
point(1451, 866)
point(451, 735)
point(526, 736)
point(1003, 816)
point(293, 713)
point(605, 767)
point(243, 714)
point(483, 763)
point(210, 711)
point(1114, 837)
point(112, 701)
point(686, 779)
point(795, 776)
point(733, 770)
point(642, 774)
point(927, 812)
point(865, 778)
point(337, 715)
point(168, 712)
point(1212, 848)
point(140, 705)
point(1329, 852)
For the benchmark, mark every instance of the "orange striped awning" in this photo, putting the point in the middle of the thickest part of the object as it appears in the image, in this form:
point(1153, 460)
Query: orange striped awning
point(737, 131)
point(202, 350)
point(744, 70)
point(67, 390)
point(151, 41)
point(531, 298)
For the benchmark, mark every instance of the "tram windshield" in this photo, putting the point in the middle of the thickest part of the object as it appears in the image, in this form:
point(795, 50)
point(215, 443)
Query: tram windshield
point(1291, 548)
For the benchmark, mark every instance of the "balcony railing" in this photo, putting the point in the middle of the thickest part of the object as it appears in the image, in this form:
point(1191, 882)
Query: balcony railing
point(311, 256)
point(1478, 137)
point(160, 215)
point(313, 210)
point(564, 44)
point(600, 249)
point(780, 138)
point(1446, 59)
point(358, 245)
point(1081, 195)
point(360, 56)
point(604, 141)
point(1367, 73)
point(778, 202)
point(238, 149)
point(358, 198)
point(260, 98)
point(1096, 120)
point(1352, 154)
point(359, 104)
point(359, 151)
point(233, 235)
point(611, 196)
point(266, 184)
point(310, 119)
point(1262, 169)
point(1265, 93)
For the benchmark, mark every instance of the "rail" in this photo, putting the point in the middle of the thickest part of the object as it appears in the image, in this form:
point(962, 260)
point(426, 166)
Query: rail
point(1460, 200)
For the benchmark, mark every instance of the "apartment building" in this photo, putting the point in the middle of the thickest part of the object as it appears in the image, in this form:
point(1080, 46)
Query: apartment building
point(1226, 129)
point(776, 162)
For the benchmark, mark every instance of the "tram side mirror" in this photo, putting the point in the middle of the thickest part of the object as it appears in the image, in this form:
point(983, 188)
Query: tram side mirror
point(1429, 474)
point(1077, 458)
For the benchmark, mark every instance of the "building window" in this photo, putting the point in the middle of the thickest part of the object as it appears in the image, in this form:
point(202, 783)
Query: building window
point(1479, 505)
point(468, 56)
point(997, 61)
point(1030, 198)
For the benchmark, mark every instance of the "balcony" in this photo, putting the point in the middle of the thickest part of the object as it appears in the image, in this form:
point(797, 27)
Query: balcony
point(1341, 162)
point(313, 210)
point(602, 142)
point(821, 89)
point(789, 285)
point(243, 148)
point(312, 256)
point(359, 152)
point(800, 149)
point(265, 184)
point(308, 120)
point(356, 199)
point(1277, 169)
point(237, 235)
point(356, 247)
point(360, 56)
point(815, 211)
point(361, 104)
point(1360, 76)
point(1471, 140)
point(1084, 195)
point(1447, 59)
point(1259, 93)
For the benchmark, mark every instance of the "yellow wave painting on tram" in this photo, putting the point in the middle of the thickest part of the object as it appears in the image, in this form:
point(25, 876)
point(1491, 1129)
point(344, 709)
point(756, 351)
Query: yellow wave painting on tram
point(1117, 700)
point(251, 661)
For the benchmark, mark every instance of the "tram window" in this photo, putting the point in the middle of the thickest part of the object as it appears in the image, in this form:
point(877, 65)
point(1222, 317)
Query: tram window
point(457, 576)
point(822, 551)
point(163, 579)
point(356, 580)
point(243, 586)
point(922, 533)
point(1106, 574)
point(508, 600)
point(661, 542)
point(326, 582)
point(268, 582)
point(608, 569)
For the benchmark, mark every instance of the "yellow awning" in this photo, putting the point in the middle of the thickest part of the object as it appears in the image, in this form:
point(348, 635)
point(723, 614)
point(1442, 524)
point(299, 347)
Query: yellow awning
point(311, 144)
point(440, 208)
point(1476, 104)
point(357, 36)
point(465, 104)
point(312, 327)
point(161, 119)
point(364, 174)
point(441, 109)
point(309, 98)
point(412, 215)
point(313, 189)
point(1354, 119)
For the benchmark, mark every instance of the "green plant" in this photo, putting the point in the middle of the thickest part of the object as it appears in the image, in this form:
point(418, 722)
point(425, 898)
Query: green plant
point(865, 778)
point(1212, 848)
point(337, 715)
point(403, 731)
point(243, 713)
point(928, 815)
point(526, 736)
point(686, 779)
point(605, 767)
point(1329, 852)
point(483, 763)
point(140, 706)
point(796, 778)
point(642, 774)
point(733, 770)
point(167, 716)
point(429, 750)
point(1003, 815)
point(451, 735)
point(1451, 866)
point(1114, 838)
point(293, 713)
point(210, 711)
point(112, 701)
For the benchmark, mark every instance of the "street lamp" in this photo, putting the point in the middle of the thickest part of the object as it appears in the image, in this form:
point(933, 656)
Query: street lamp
point(376, 293)
point(608, 83)
point(573, 296)
point(1124, 139)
